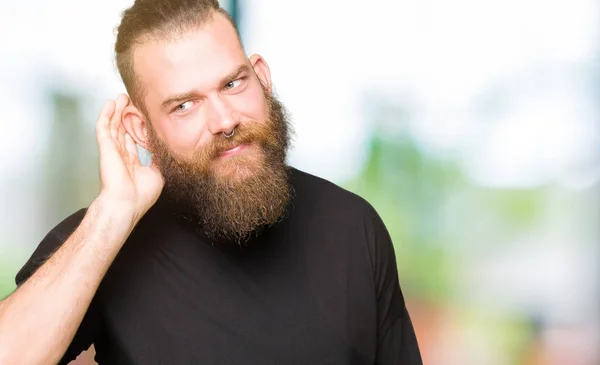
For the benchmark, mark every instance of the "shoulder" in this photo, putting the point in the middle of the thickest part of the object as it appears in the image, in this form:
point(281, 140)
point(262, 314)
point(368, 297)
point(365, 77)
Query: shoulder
point(328, 199)
point(335, 208)
point(50, 243)
point(67, 226)
point(337, 211)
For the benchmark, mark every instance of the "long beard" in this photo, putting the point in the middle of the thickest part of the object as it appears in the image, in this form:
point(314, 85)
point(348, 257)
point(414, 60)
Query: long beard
point(232, 198)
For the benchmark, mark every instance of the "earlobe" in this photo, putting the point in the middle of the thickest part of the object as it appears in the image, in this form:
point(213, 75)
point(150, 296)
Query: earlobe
point(261, 68)
point(135, 125)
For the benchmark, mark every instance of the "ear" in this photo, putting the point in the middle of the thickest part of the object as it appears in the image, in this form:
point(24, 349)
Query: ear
point(136, 125)
point(261, 68)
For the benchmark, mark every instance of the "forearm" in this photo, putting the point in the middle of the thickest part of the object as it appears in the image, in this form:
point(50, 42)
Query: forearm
point(38, 321)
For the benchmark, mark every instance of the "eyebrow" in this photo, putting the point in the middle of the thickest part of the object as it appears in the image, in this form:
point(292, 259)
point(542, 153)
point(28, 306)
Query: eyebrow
point(194, 94)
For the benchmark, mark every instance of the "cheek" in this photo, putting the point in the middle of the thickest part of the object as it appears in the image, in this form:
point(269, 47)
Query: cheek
point(183, 137)
point(252, 105)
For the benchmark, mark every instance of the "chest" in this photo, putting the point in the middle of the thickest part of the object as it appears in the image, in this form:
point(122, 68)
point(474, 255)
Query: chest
point(193, 304)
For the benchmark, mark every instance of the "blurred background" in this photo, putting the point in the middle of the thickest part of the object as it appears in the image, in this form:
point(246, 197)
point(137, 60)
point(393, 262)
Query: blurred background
point(472, 126)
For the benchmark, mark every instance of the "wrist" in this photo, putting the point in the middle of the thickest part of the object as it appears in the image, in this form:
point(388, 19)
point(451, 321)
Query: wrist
point(117, 212)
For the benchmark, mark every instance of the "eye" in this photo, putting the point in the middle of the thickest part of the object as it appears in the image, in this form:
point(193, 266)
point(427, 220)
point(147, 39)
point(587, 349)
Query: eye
point(232, 84)
point(183, 107)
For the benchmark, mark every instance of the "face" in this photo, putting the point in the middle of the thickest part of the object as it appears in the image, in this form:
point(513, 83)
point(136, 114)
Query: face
point(199, 87)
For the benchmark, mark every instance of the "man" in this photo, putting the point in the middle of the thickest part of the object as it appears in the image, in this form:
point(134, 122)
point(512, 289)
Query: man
point(240, 260)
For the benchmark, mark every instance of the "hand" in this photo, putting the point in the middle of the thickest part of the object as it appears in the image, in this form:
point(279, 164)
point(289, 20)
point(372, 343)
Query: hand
point(125, 181)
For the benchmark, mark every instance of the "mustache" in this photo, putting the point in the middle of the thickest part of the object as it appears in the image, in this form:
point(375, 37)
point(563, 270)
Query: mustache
point(219, 144)
point(254, 132)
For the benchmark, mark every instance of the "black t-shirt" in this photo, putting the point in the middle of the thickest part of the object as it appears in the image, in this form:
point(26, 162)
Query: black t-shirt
point(319, 287)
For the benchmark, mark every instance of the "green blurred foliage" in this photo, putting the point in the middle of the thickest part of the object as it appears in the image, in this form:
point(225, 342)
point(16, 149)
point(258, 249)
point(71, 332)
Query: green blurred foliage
point(407, 189)
point(439, 219)
point(435, 212)
point(69, 178)
point(72, 168)
point(7, 274)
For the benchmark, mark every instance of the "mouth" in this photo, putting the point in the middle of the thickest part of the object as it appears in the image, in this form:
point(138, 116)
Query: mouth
point(233, 151)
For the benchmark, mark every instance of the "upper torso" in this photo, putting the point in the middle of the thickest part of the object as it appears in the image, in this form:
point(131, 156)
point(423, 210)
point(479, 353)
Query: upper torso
point(302, 292)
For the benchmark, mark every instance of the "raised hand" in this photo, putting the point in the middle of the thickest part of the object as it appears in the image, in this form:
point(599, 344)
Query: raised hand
point(125, 181)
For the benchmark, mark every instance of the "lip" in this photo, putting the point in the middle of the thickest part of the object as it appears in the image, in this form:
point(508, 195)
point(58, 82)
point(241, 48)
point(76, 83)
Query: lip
point(233, 151)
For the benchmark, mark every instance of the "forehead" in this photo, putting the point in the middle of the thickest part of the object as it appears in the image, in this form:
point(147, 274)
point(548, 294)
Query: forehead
point(197, 59)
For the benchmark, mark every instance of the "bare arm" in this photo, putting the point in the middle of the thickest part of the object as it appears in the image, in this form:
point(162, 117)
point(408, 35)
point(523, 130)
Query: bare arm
point(39, 320)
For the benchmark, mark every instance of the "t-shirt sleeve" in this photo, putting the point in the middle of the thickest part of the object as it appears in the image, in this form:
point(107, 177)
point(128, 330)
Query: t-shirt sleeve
point(90, 326)
point(396, 340)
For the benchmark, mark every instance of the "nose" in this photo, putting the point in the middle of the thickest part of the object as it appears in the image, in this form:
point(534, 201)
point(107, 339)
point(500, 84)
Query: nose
point(222, 117)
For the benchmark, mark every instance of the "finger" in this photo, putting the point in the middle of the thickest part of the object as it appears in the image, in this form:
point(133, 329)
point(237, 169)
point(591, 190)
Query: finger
point(116, 117)
point(121, 128)
point(115, 122)
point(132, 150)
point(104, 119)
point(130, 144)
point(121, 132)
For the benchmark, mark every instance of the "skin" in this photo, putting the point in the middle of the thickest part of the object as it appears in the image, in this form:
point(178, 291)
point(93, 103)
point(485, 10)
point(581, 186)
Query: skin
point(38, 321)
point(219, 87)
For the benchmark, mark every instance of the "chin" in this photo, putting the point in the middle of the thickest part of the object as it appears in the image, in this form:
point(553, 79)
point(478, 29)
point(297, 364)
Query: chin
point(239, 167)
point(234, 174)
